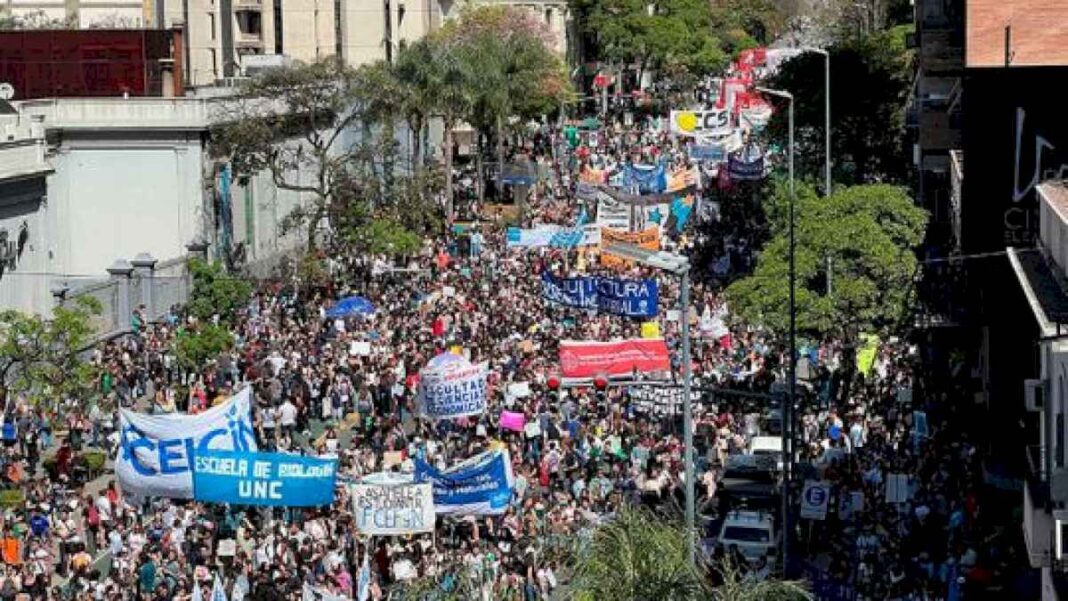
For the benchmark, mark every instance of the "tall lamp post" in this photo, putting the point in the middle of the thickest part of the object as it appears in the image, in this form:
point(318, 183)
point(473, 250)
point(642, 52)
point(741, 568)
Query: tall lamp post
point(680, 266)
point(826, 117)
point(788, 408)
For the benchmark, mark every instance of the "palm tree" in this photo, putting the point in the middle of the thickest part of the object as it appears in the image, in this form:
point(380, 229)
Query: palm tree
point(639, 556)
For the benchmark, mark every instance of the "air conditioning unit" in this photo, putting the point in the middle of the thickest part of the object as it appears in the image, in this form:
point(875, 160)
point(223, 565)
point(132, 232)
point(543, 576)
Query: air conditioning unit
point(1035, 394)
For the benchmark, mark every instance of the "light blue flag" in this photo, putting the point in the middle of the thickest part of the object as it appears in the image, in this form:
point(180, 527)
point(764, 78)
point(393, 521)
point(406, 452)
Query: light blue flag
point(217, 591)
point(363, 582)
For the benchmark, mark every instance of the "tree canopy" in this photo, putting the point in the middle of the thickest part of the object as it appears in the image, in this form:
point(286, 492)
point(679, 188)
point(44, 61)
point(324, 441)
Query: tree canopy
point(854, 262)
point(871, 77)
point(638, 555)
point(40, 358)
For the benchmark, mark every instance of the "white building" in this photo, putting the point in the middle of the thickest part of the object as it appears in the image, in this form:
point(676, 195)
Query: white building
point(1043, 276)
point(88, 181)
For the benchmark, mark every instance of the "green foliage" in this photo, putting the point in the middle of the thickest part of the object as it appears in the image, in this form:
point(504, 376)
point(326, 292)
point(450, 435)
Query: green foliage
point(682, 39)
point(505, 64)
point(870, 81)
point(288, 121)
point(639, 556)
point(216, 292)
point(202, 343)
point(94, 460)
point(39, 358)
point(12, 498)
point(864, 234)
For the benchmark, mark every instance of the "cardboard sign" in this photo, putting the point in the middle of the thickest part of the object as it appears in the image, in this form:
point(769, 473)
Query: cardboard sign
point(391, 509)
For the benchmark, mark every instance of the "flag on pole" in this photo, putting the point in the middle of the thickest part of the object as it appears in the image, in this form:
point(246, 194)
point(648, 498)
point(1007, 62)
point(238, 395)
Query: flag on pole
point(217, 591)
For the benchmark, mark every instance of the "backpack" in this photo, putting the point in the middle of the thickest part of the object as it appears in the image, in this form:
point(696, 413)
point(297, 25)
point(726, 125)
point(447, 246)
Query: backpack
point(92, 516)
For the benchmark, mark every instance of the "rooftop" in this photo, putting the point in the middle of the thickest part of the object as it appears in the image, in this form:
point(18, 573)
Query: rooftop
point(1039, 29)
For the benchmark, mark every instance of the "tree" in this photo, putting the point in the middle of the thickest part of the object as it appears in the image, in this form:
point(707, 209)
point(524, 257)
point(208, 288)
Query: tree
point(203, 342)
point(638, 556)
point(40, 358)
point(870, 83)
point(216, 292)
point(854, 263)
point(505, 67)
point(288, 121)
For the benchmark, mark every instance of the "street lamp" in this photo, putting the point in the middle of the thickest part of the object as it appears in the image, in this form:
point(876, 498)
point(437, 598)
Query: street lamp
point(680, 266)
point(788, 408)
point(826, 117)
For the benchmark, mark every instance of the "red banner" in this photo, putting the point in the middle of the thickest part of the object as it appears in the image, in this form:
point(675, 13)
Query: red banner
point(585, 359)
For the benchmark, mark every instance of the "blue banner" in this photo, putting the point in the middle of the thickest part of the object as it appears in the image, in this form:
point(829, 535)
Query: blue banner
point(629, 298)
point(708, 152)
point(481, 485)
point(274, 479)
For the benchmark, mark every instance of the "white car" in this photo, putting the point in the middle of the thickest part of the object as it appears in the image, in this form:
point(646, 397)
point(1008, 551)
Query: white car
point(752, 533)
point(769, 446)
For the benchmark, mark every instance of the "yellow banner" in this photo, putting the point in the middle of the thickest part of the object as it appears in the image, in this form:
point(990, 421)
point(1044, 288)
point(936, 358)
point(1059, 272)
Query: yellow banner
point(648, 239)
point(650, 329)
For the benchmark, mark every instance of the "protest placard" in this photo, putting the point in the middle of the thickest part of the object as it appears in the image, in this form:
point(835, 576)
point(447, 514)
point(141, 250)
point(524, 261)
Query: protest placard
point(391, 509)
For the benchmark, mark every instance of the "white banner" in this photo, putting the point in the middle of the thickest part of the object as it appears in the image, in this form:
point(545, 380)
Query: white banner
point(389, 509)
point(612, 214)
point(155, 451)
point(699, 123)
point(451, 386)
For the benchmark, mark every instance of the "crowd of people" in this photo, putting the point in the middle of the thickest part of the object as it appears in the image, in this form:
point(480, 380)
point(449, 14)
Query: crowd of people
point(583, 454)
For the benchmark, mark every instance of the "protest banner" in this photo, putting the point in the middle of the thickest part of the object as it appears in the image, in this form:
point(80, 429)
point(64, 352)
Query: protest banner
point(650, 329)
point(482, 485)
point(588, 358)
point(611, 213)
point(393, 508)
point(271, 479)
point(628, 298)
point(694, 123)
point(451, 386)
point(513, 420)
point(660, 400)
point(554, 236)
point(648, 239)
point(156, 452)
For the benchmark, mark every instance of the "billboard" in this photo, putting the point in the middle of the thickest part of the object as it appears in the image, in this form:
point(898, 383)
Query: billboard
point(1015, 136)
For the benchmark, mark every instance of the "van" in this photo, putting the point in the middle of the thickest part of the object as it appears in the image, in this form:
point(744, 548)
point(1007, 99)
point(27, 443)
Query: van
point(752, 533)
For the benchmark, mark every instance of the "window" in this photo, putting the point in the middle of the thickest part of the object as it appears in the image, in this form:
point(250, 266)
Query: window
point(277, 4)
point(211, 25)
point(214, 62)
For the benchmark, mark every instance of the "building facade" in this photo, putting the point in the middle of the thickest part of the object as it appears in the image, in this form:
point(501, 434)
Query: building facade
point(1042, 273)
point(88, 182)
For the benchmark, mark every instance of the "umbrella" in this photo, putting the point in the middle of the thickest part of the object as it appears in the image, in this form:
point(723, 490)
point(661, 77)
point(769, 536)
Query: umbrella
point(353, 305)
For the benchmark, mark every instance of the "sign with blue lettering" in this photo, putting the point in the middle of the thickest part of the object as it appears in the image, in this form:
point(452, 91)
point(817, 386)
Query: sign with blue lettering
point(451, 386)
point(482, 485)
point(155, 455)
point(391, 509)
point(629, 298)
point(273, 479)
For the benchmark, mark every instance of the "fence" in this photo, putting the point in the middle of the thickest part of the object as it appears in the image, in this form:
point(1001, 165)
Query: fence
point(140, 282)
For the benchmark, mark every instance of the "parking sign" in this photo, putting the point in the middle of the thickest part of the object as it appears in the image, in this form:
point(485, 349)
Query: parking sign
point(814, 500)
